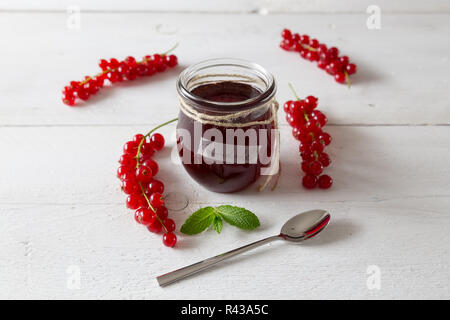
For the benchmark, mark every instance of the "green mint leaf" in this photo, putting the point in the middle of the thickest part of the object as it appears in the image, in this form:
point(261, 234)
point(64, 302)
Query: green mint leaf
point(199, 221)
point(217, 224)
point(239, 217)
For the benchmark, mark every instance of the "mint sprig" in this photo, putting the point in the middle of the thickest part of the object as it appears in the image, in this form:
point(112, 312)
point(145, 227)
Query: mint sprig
point(201, 219)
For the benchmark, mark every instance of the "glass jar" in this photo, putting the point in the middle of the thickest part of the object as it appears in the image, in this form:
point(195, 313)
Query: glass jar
point(226, 123)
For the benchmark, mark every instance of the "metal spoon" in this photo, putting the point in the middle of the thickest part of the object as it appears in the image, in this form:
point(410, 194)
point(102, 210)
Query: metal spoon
point(299, 228)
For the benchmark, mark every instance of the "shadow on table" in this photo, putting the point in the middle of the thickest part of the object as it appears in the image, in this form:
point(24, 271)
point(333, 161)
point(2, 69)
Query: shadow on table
point(365, 74)
point(336, 231)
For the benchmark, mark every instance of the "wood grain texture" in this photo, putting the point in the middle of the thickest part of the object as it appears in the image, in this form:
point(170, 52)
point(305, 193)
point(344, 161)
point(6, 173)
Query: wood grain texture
point(60, 203)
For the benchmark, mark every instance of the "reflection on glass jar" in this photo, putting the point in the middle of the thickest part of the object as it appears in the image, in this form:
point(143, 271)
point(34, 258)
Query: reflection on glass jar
point(226, 128)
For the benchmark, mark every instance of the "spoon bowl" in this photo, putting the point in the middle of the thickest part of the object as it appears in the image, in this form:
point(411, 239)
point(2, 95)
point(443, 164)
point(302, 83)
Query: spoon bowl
point(305, 225)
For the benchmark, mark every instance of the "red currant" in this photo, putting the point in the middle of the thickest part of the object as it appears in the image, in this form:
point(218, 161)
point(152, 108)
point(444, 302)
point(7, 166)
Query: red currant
point(162, 212)
point(339, 77)
point(333, 52)
point(127, 160)
point(305, 166)
point(322, 48)
point(169, 239)
point(152, 165)
point(103, 64)
point(155, 226)
point(314, 43)
point(325, 181)
point(122, 170)
point(83, 93)
point(130, 61)
point(145, 216)
point(304, 39)
point(114, 76)
point(309, 181)
point(169, 224)
point(311, 101)
point(69, 99)
point(146, 149)
point(286, 34)
point(304, 147)
point(325, 138)
point(130, 148)
point(134, 201)
point(130, 186)
point(317, 146)
point(156, 200)
point(320, 117)
point(308, 156)
point(287, 106)
point(138, 138)
point(324, 159)
point(351, 68)
point(315, 168)
point(131, 74)
point(113, 63)
point(157, 141)
point(306, 139)
point(144, 174)
point(171, 60)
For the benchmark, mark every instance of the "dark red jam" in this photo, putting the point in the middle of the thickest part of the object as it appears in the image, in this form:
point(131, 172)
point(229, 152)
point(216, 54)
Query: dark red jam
point(223, 176)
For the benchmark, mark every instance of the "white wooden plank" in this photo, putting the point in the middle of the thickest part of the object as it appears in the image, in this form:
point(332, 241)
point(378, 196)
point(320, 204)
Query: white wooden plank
point(77, 165)
point(118, 259)
point(403, 76)
point(235, 6)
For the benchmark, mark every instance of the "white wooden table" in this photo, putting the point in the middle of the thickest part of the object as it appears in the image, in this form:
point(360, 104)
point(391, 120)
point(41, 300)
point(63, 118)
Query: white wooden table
point(61, 210)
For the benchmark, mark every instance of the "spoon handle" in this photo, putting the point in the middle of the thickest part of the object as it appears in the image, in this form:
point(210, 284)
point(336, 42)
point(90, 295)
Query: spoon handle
point(176, 275)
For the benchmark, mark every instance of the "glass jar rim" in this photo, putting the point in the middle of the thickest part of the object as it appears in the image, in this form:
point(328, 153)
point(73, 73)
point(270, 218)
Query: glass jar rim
point(260, 99)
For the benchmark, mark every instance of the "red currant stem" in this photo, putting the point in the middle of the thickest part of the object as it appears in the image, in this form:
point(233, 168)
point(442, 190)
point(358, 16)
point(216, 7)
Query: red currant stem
point(293, 91)
point(347, 78)
point(97, 75)
point(171, 49)
point(149, 133)
point(306, 116)
point(316, 155)
point(308, 47)
point(151, 207)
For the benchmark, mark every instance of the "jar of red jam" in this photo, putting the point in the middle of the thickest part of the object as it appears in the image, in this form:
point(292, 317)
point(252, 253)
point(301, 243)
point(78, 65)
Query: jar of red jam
point(227, 123)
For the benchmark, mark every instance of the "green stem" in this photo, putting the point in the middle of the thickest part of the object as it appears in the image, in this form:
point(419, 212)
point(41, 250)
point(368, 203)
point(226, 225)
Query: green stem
point(293, 91)
point(171, 49)
point(149, 133)
point(347, 78)
point(308, 47)
point(296, 97)
point(151, 207)
point(137, 166)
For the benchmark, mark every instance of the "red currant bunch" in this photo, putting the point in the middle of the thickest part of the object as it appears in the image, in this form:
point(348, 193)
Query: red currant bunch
point(307, 123)
point(327, 58)
point(137, 173)
point(114, 70)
